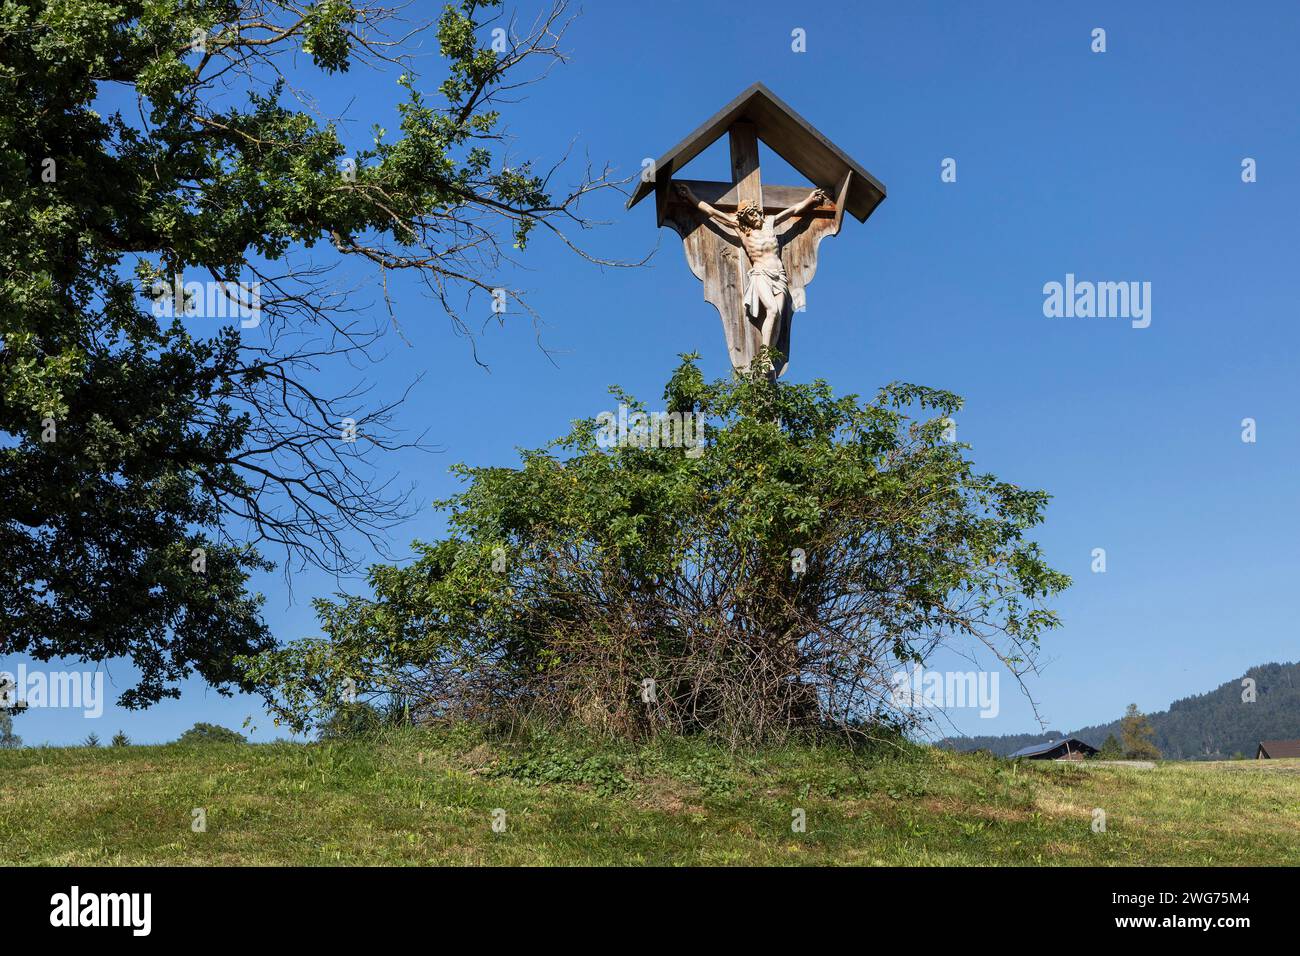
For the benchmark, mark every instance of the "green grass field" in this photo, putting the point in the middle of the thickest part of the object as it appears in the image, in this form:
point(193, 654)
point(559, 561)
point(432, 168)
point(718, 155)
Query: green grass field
point(426, 797)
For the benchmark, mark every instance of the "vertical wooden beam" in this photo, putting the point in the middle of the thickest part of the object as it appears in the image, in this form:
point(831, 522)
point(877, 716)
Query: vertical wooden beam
point(745, 335)
point(744, 162)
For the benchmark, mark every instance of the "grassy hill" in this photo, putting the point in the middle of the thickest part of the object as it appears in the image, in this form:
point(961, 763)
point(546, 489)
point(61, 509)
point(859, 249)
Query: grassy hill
point(1212, 726)
point(425, 797)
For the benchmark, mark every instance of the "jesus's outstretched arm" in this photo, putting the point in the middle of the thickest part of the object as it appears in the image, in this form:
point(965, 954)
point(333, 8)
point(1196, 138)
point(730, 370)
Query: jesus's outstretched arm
point(815, 198)
point(717, 215)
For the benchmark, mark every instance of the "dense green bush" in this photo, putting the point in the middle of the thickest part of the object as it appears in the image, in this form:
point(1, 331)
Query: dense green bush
point(1111, 750)
point(352, 720)
point(776, 580)
point(202, 733)
point(8, 739)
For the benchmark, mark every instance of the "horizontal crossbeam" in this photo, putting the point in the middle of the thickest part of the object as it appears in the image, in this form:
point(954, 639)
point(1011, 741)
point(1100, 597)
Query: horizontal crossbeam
point(724, 196)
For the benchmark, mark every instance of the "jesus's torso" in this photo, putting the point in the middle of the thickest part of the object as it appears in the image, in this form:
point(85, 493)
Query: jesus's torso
point(761, 245)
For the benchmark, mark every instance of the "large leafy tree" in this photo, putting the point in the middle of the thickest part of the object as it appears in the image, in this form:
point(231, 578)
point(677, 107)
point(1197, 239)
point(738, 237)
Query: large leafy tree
point(146, 468)
point(775, 573)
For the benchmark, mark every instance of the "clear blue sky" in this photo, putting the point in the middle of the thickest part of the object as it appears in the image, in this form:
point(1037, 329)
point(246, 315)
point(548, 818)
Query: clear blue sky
point(1117, 166)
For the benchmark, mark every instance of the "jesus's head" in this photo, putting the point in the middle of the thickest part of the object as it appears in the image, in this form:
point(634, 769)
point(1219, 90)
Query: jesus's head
point(750, 215)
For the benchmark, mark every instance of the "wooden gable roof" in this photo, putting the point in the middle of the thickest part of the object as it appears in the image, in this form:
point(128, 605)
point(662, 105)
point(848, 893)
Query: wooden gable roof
point(1277, 749)
point(787, 133)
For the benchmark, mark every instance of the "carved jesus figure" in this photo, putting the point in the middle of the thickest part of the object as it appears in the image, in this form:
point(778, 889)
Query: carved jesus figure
point(767, 293)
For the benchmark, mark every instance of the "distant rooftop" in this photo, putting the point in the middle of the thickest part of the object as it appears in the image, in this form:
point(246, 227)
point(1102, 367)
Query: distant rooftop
point(1034, 749)
point(1277, 749)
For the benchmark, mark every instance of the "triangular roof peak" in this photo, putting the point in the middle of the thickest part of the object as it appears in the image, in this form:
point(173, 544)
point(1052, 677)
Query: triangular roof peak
point(787, 133)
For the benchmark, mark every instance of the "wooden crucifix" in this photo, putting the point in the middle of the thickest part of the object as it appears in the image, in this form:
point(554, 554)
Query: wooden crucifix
point(754, 245)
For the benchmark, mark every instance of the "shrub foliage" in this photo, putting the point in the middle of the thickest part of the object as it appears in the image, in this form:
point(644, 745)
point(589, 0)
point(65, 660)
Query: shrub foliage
point(204, 733)
point(777, 580)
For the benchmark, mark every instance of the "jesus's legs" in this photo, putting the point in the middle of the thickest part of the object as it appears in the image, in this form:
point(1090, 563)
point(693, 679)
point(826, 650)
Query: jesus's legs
point(773, 305)
point(774, 315)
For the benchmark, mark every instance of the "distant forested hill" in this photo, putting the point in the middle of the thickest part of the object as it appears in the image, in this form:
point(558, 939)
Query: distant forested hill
point(1212, 726)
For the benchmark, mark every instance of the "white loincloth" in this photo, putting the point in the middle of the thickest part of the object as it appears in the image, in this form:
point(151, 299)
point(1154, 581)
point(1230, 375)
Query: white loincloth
point(776, 283)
